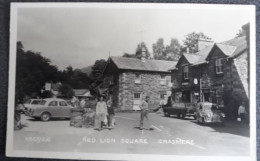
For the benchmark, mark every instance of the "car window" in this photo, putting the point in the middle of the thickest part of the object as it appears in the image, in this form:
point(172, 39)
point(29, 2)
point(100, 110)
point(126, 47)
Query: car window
point(35, 102)
point(53, 103)
point(42, 102)
point(63, 103)
point(28, 102)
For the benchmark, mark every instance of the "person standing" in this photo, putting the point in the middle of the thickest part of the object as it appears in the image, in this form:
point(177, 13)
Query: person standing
point(101, 113)
point(111, 114)
point(242, 112)
point(144, 106)
point(74, 101)
point(82, 103)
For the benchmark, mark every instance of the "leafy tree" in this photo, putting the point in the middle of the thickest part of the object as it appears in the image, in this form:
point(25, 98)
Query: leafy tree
point(98, 68)
point(173, 51)
point(191, 41)
point(140, 47)
point(159, 49)
point(75, 78)
point(46, 94)
point(66, 91)
point(127, 55)
point(32, 71)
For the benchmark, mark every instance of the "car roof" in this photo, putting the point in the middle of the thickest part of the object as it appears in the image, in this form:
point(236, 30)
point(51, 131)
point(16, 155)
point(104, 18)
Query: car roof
point(53, 99)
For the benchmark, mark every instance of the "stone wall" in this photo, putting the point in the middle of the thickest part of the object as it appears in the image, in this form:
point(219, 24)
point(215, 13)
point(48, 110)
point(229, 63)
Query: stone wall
point(149, 86)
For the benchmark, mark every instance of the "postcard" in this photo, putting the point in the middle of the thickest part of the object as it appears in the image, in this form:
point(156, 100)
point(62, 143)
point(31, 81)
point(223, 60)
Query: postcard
point(132, 81)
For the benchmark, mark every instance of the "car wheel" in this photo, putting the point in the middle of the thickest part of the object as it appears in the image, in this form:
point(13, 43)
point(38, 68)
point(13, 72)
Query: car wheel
point(195, 117)
point(183, 115)
point(45, 116)
point(166, 114)
point(179, 115)
point(222, 124)
point(202, 121)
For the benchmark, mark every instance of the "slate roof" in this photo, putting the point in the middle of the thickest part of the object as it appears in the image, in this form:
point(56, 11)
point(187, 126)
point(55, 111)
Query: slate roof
point(148, 65)
point(230, 48)
point(240, 44)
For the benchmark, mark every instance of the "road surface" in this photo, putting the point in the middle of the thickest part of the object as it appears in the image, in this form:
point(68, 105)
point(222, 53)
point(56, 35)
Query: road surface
point(170, 136)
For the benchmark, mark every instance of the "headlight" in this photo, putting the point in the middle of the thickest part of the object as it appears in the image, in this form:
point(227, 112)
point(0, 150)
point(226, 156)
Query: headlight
point(223, 115)
point(208, 115)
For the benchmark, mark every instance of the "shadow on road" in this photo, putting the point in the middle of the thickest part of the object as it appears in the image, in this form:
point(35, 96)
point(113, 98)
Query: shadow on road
point(230, 127)
point(52, 119)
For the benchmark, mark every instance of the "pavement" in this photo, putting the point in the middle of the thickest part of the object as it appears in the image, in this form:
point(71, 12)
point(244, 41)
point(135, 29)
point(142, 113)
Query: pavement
point(171, 136)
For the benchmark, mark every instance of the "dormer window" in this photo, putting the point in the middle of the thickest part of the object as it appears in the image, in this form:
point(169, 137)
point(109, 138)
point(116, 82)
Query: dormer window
point(137, 78)
point(163, 80)
point(186, 72)
point(219, 66)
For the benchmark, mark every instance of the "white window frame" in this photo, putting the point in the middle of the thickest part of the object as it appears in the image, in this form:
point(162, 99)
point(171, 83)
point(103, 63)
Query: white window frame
point(219, 66)
point(185, 73)
point(163, 80)
point(137, 78)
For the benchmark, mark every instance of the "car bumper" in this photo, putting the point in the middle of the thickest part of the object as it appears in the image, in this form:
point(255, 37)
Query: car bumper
point(214, 120)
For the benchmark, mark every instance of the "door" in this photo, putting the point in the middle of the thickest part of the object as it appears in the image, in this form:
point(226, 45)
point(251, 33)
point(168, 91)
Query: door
point(137, 101)
point(53, 108)
point(65, 109)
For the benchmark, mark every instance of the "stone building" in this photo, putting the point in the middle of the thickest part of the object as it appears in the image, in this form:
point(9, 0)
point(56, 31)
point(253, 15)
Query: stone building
point(216, 73)
point(129, 80)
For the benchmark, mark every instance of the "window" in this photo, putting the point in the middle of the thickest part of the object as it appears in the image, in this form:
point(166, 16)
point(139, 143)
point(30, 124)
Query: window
point(137, 96)
point(35, 102)
point(219, 66)
point(137, 78)
point(186, 72)
point(163, 80)
point(62, 103)
point(53, 103)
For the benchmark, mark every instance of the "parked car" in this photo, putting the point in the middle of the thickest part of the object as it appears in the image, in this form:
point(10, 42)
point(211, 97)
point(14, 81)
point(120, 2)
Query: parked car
point(180, 109)
point(30, 103)
point(51, 108)
point(208, 112)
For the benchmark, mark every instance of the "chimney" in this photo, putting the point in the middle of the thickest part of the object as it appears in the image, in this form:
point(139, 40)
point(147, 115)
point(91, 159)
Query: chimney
point(143, 55)
point(187, 50)
point(203, 43)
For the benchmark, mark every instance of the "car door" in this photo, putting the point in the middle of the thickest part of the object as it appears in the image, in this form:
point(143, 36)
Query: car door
point(53, 108)
point(65, 109)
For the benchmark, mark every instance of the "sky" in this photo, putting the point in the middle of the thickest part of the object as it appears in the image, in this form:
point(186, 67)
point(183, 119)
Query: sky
point(80, 36)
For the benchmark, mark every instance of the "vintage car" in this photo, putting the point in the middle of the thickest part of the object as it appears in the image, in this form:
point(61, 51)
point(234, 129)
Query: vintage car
point(208, 112)
point(30, 103)
point(180, 109)
point(50, 108)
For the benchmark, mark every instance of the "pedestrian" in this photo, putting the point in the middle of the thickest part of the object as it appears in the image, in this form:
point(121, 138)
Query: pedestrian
point(101, 113)
point(144, 106)
point(111, 114)
point(242, 112)
point(82, 103)
point(74, 101)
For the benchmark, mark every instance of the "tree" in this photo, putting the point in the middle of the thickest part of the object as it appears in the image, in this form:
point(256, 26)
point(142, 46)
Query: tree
point(191, 41)
point(173, 51)
point(240, 33)
point(98, 68)
point(66, 91)
point(138, 51)
point(127, 55)
point(32, 72)
point(159, 49)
